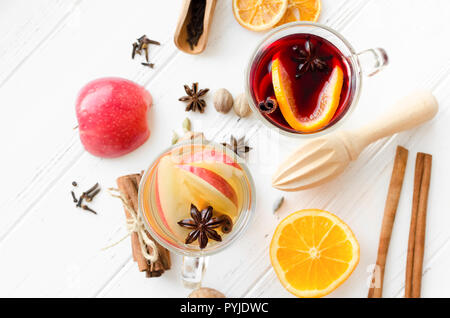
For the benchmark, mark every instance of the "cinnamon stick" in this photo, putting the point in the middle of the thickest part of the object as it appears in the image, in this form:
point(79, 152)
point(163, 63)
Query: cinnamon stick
point(128, 186)
point(390, 209)
point(416, 242)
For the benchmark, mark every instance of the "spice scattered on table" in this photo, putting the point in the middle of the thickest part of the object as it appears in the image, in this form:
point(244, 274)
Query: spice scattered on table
point(277, 204)
point(194, 27)
point(416, 242)
point(87, 196)
point(194, 98)
point(175, 138)
point(223, 100)
point(141, 47)
point(75, 200)
point(241, 107)
point(239, 146)
point(188, 133)
point(390, 210)
point(186, 125)
point(128, 187)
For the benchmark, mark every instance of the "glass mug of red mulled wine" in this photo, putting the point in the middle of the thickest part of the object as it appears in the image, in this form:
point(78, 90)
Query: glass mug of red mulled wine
point(305, 78)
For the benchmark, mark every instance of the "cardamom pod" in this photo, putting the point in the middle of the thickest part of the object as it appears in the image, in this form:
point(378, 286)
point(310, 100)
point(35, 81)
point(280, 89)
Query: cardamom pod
point(277, 204)
point(175, 138)
point(186, 125)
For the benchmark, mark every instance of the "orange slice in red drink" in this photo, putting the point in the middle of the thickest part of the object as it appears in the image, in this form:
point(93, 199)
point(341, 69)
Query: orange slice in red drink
point(326, 107)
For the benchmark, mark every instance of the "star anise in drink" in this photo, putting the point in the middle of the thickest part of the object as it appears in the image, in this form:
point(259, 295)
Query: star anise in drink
point(307, 59)
point(195, 103)
point(239, 146)
point(202, 225)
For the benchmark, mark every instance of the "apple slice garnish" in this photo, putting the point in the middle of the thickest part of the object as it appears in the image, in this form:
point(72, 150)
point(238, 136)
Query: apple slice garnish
point(327, 104)
point(210, 155)
point(171, 206)
point(209, 188)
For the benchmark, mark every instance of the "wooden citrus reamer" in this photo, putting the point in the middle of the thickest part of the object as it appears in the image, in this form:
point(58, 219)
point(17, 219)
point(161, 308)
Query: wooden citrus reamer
point(323, 158)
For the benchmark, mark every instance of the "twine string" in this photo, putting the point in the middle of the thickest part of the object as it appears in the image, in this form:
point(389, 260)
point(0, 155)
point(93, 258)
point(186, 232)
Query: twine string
point(135, 225)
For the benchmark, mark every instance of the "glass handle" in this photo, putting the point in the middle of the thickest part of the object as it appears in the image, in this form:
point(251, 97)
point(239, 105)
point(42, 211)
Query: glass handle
point(372, 60)
point(192, 271)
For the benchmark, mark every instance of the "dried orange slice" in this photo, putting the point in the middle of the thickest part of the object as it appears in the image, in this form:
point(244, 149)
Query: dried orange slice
point(313, 252)
point(327, 104)
point(301, 10)
point(259, 15)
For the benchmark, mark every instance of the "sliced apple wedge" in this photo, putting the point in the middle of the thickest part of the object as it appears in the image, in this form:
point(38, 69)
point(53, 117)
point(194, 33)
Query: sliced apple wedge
point(208, 188)
point(210, 155)
point(171, 207)
point(230, 173)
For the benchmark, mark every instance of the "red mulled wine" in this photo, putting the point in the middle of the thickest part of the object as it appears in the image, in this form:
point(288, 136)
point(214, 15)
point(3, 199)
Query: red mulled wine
point(302, 83)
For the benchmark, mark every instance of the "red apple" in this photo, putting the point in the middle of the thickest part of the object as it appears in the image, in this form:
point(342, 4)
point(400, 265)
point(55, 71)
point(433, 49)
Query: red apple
point(112, 116)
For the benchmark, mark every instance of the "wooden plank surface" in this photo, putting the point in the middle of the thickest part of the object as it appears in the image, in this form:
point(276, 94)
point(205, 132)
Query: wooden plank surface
point(50, 48)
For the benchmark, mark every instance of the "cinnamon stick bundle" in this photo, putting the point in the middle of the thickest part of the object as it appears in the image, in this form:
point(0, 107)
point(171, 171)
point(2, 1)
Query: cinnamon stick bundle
point(416, 242)
point(129, 187)
point(393, 197)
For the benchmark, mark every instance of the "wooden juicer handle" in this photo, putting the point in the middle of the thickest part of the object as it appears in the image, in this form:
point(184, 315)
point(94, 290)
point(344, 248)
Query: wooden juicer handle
point(409, 112)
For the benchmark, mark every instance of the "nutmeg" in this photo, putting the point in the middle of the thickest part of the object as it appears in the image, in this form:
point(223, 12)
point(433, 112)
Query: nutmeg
point(206, 293)
point(241, 107)
point(223, 101)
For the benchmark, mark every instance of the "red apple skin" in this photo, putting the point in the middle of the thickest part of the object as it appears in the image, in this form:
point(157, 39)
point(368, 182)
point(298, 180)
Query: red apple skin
point(112, 116)
point(213, 179)
point(210, 155)
point(158, 202)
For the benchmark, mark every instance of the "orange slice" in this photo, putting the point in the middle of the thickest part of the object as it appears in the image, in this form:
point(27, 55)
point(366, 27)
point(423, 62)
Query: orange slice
point(301, 10)
point(327, 104)
point(259, 15)
point(313, 252)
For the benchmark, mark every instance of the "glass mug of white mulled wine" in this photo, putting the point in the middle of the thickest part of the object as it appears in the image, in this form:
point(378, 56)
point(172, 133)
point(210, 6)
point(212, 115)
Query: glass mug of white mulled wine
point(305, 78)
point(196, 199)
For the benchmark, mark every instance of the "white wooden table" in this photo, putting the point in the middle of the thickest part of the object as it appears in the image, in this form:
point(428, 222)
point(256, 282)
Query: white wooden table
point(50, 48)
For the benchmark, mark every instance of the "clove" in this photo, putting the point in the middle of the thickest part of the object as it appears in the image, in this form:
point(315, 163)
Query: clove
point(86, 208)
point(92, 195)
point(87, 196)
point(142, 44)
point(75, 200)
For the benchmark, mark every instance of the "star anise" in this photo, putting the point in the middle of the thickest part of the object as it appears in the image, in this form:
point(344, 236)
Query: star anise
point(202, 225)
point(239, 146)
point(194, 98)
point(308, 60)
